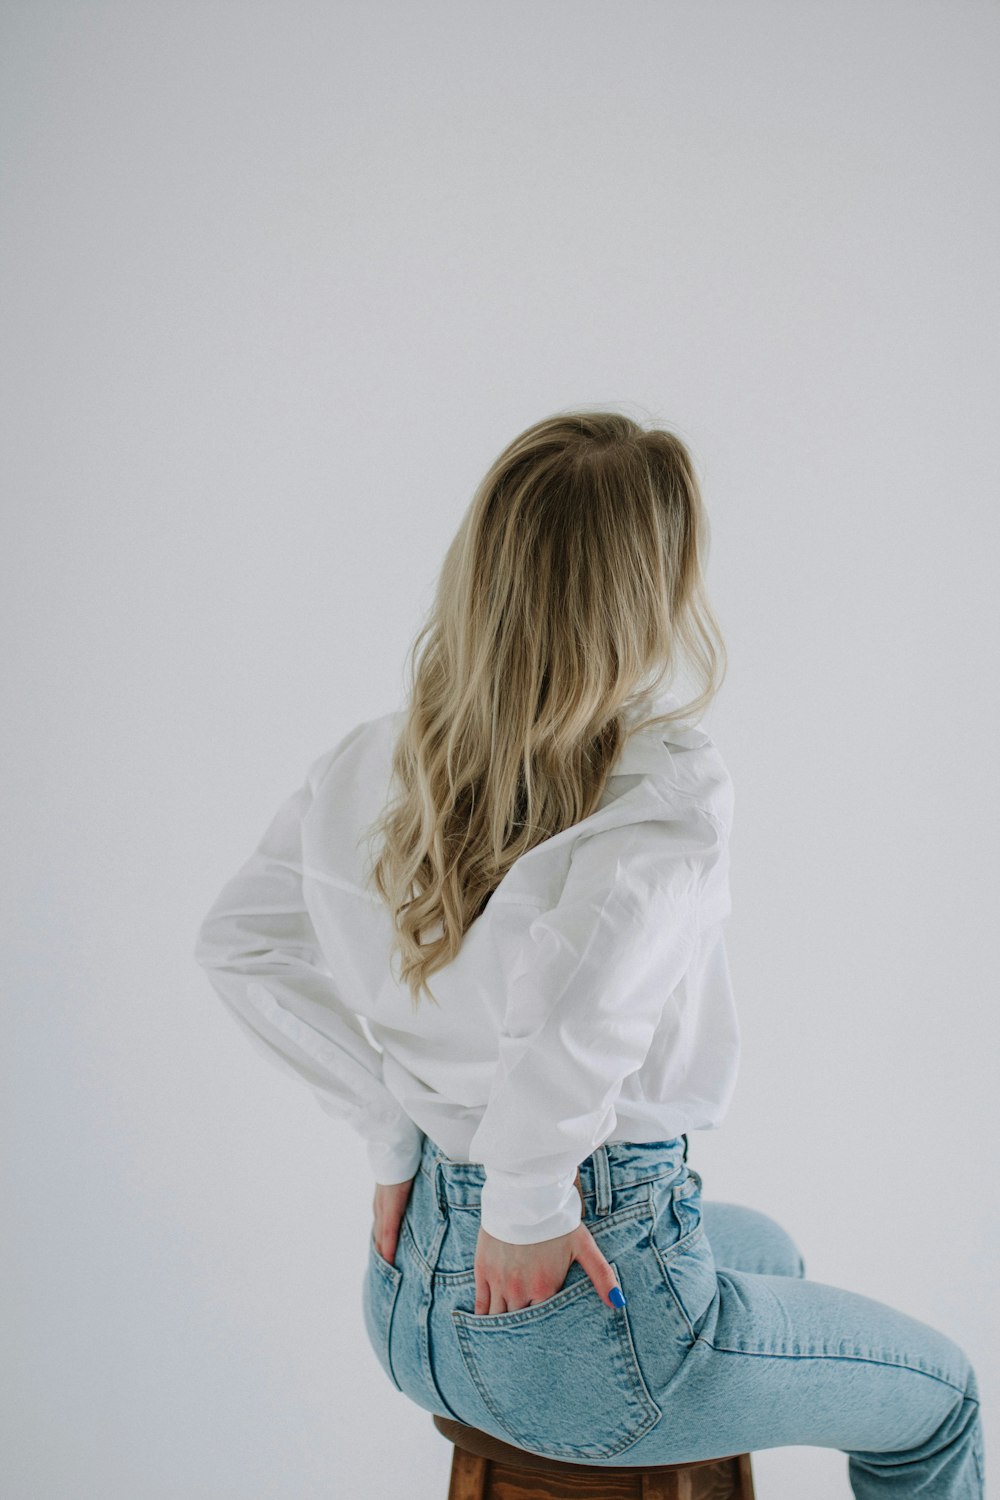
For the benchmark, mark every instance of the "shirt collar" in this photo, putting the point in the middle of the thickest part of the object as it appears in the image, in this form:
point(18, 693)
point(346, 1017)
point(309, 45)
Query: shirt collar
point(643, 752)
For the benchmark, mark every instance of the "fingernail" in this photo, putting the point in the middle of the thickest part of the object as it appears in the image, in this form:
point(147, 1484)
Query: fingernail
point(617, 1296)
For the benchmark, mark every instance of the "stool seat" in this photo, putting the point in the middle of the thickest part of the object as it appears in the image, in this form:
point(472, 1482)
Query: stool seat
point(486, 1468)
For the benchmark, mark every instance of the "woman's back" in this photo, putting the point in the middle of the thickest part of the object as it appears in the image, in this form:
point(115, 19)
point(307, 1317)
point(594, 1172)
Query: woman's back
point(527, 963)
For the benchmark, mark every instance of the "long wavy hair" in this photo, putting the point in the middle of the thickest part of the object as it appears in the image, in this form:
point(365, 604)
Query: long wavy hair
point(573, 587)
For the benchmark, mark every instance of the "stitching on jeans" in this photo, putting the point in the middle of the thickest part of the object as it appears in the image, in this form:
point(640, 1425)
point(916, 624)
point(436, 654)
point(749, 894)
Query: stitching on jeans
point(867, 1359)
point(638, 1392)
point(668, 1282)
point(691, 1238)
point(665, 1257)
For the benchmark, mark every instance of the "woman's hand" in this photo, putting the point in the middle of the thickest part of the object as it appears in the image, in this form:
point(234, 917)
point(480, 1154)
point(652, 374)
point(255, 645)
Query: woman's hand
point(389, 1207)
point(509, 1277)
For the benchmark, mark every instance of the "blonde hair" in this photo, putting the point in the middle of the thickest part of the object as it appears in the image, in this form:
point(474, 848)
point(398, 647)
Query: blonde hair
point(576, 572)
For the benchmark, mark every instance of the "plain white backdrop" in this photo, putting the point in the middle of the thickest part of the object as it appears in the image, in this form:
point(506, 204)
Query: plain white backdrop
point(279, 281)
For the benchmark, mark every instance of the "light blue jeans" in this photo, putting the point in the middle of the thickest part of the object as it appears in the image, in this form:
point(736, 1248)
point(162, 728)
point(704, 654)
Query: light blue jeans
point(722, 1347)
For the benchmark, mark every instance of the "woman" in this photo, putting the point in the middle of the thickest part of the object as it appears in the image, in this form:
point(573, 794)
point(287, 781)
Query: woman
point(541, 833)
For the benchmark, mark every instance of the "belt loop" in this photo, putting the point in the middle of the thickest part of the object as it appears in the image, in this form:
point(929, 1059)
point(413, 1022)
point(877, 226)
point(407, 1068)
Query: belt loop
point(602, 1180)
point(439, 1192)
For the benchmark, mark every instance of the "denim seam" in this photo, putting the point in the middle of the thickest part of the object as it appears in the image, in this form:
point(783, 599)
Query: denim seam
point(674, 1250)
point(668, 1282)
point(665, 1256)
point(868, 1359)
point(392, 1279)
point(405, 1232)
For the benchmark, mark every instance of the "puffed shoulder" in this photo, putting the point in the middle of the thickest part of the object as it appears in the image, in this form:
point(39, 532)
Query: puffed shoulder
point(323, 762)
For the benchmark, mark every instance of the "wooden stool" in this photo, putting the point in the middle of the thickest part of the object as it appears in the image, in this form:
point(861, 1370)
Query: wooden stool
point(484, 1468)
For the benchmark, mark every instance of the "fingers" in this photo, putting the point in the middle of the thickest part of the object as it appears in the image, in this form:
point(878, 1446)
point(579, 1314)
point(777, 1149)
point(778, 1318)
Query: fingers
point(598, 1268)
point(388, 1209)
point(490, 1299)
point(482, 1295)
point(385, 1233)
point(385, 1247)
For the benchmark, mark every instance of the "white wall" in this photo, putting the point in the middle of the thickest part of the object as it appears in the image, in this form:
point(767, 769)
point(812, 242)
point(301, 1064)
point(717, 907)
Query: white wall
point(280, 280)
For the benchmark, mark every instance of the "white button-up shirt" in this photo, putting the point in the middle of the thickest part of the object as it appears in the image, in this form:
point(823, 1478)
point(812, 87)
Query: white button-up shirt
point(590, 1000)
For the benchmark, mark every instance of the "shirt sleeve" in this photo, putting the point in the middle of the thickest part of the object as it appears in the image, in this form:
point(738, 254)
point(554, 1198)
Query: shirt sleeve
point(260, 950)
point(582, 1009)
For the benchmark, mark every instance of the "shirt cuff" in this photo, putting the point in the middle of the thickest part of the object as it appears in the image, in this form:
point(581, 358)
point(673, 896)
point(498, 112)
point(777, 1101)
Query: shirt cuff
point(522, 1212)
point(396, 1159)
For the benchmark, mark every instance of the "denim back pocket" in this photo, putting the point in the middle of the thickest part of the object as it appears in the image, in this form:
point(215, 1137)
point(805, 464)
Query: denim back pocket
point(687, 1261)
point(378, 1301)
point(561, 1376)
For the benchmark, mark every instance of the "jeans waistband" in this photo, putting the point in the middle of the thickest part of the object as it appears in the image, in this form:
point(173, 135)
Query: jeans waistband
point(611, 1168)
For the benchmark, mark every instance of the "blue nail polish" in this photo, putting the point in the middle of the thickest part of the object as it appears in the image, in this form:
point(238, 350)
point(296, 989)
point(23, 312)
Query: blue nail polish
point(617, 1296)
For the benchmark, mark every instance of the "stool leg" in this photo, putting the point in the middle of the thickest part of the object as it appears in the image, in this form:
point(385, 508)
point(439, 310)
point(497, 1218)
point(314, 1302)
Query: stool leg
point(746, 1478)
point(469, 1475)
point(734, 1480)
point(666, 1486)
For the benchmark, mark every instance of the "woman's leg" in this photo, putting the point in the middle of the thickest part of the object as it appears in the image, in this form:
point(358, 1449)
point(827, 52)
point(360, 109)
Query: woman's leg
point(744, 1239)
point(778, 1360)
